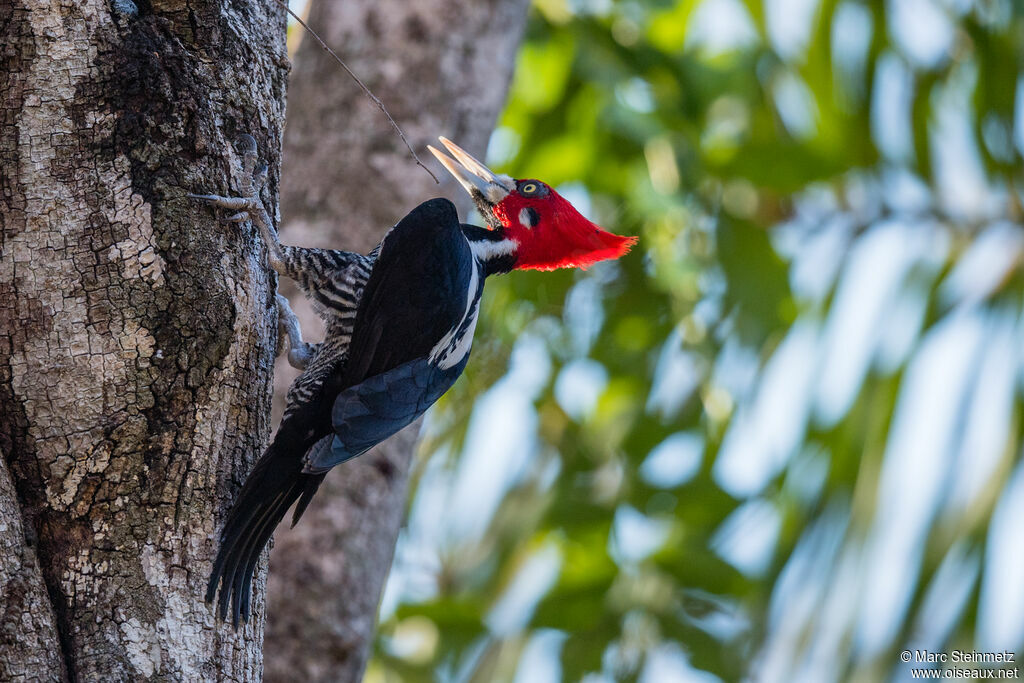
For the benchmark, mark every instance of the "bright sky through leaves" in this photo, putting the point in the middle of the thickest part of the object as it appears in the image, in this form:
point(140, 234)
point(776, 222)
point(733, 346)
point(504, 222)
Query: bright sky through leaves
point(781, 439)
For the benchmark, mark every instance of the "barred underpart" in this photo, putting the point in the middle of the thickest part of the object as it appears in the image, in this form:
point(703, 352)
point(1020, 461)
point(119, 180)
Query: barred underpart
point(332, 280)
point(330, 355)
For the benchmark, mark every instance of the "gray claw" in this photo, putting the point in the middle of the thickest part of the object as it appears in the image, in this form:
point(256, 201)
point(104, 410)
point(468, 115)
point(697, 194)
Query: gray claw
point(208, 198)
point(234, 203)
point(250, 185)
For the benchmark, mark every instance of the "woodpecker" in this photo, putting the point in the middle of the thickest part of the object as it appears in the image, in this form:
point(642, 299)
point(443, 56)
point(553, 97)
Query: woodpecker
point(400, 323)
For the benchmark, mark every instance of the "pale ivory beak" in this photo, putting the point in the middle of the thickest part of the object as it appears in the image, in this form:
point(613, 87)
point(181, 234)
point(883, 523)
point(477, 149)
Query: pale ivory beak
point(479, 181)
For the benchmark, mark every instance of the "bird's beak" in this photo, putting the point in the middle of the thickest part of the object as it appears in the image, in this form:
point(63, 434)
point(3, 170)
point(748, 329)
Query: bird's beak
point(480, 182)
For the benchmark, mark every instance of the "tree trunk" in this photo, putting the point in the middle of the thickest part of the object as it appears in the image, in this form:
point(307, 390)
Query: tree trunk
point(136, 334)
point(442, 67)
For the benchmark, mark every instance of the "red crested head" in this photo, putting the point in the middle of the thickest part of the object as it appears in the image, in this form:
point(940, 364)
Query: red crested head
point(547, 231)
point(550, 231)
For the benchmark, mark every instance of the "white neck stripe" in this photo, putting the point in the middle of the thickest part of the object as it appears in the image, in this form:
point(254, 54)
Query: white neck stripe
point(486, 250)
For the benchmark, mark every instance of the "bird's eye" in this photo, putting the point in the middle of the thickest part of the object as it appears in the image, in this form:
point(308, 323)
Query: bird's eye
point(532, 188)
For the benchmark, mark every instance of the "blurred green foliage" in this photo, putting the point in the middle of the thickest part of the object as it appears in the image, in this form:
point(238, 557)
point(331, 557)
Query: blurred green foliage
point(704, 151)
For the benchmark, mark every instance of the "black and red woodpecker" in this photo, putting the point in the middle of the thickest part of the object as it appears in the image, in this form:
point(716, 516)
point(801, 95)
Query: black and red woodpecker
point(400, 324)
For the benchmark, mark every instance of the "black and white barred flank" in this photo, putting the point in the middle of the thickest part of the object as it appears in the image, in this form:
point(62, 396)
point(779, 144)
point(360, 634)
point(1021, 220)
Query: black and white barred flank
point(332, 280)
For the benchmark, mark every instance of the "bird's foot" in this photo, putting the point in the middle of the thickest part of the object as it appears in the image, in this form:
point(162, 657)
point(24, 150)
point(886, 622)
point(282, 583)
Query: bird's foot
point(284, 311)
point(288, 332)
point(252, 181)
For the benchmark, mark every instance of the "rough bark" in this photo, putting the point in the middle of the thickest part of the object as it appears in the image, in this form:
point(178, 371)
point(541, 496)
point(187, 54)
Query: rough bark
point(136, 334)
point(442, 67)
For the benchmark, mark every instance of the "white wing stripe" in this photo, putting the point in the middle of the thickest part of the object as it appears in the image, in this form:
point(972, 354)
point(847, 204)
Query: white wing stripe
point(451, 349)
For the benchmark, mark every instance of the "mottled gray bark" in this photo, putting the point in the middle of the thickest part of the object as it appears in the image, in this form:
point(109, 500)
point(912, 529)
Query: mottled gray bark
point(136, 334)
point(442, 67)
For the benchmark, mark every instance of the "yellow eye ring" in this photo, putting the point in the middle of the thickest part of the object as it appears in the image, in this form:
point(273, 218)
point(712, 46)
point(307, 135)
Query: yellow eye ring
point(532, 188)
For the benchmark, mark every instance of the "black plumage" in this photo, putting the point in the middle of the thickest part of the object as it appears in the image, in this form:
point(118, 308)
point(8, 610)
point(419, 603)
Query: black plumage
point(424, 288)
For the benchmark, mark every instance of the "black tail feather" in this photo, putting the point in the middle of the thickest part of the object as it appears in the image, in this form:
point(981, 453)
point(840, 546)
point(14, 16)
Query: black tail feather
point(274, 484)
point(246, 546)
point(249, 554)
point(243, 579)
point(312, 483)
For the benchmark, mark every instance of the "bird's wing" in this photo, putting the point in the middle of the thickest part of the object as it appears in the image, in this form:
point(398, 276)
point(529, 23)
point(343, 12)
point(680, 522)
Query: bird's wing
point(416, 294)
point(373, 410)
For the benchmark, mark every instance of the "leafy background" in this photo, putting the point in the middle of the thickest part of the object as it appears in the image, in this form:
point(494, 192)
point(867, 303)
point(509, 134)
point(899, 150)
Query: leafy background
point(782, 439)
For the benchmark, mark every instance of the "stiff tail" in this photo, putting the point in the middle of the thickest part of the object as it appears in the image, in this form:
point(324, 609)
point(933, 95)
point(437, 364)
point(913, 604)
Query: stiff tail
point(274, 484)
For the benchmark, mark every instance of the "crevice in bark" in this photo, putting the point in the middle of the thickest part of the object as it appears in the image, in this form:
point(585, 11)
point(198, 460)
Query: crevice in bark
point(15, 449)
point(51, 569)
